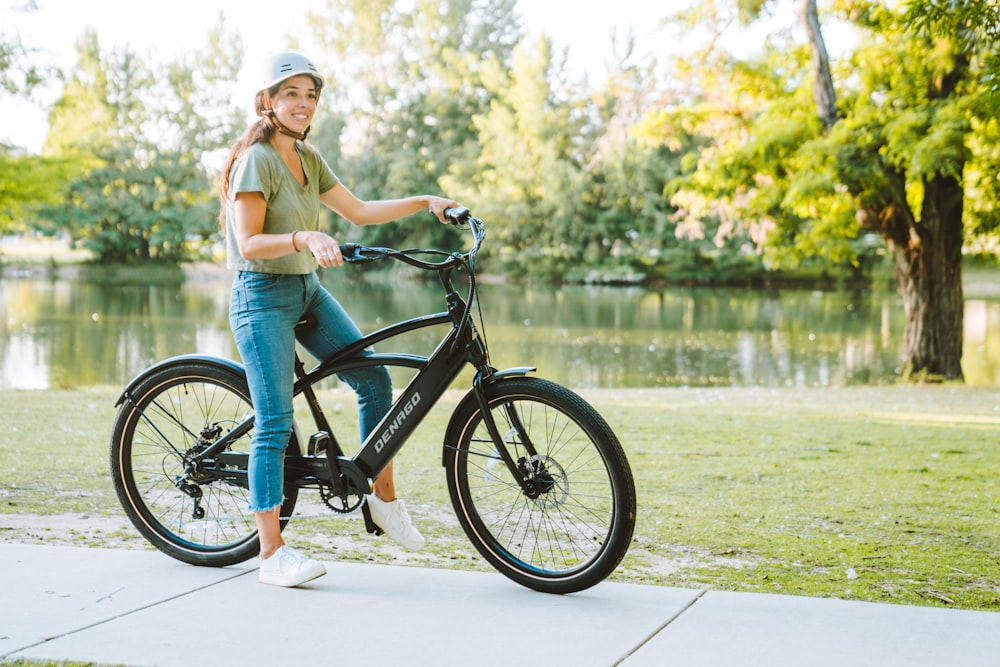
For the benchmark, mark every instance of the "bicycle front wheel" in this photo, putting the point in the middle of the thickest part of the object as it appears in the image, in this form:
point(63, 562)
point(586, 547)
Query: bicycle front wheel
point(166, 420)
point(569, 525)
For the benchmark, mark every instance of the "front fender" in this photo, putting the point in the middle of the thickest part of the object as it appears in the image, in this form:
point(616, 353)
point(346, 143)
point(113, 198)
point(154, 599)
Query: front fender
point(468, 403)
point(226, 364)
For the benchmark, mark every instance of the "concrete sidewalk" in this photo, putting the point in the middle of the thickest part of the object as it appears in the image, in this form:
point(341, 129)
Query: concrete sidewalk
point(142, 608)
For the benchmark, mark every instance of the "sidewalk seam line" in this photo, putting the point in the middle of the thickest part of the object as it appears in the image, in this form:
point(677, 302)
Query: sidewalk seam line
point(660, 629)
point(103, 621)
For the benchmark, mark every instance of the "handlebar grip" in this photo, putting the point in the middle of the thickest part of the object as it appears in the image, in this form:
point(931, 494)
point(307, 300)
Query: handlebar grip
point(350, 251)
point(457, 215)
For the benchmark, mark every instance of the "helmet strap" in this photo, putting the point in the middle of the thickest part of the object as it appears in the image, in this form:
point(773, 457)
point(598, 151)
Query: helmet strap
point(288, 132)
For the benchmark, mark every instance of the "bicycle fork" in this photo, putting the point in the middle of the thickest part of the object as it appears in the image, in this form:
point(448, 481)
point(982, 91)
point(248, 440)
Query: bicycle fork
point(531, 476)
point(525, 469)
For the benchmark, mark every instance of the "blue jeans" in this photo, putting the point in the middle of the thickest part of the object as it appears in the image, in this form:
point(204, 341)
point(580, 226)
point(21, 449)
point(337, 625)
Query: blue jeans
point(263, 311)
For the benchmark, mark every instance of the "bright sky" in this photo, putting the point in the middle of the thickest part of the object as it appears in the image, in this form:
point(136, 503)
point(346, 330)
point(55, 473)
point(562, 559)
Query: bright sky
point(165, 28)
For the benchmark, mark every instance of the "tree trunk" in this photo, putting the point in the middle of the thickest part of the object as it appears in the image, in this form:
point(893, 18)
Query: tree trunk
point(929, 271)
point(823, 91)
point(927, 253)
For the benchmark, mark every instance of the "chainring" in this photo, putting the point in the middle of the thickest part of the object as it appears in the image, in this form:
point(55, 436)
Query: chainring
point(341, 504)
point(354, 481)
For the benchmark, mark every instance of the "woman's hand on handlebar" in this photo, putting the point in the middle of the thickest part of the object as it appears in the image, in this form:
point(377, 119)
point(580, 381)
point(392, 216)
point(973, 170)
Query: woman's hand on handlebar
point(324, 248)
point(437, 206)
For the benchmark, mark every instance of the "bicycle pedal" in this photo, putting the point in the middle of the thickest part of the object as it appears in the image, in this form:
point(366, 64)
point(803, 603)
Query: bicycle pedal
point(370, 525)
point(318, 443)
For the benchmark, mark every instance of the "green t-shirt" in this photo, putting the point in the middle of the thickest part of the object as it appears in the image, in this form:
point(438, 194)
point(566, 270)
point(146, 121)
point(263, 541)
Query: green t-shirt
point(290, 206)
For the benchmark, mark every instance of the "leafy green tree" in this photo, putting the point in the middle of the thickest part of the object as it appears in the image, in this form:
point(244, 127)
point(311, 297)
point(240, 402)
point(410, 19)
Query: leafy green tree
point(975, 27)
point(28, 182)
point(628, 216)
point(447, 96)
point(893, 160)
point(129, 211)
point(403, 86)
point(141, 137)
point(194, 100)
point(19, 73)
point(527, 178)
point(102, 103)
point(973, 24)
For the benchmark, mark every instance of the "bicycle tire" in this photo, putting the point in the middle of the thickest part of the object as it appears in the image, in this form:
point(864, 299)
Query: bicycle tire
point(169, 415)
point(577, 529)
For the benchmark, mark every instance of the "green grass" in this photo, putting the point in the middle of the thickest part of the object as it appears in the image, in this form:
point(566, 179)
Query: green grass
point(888, 494)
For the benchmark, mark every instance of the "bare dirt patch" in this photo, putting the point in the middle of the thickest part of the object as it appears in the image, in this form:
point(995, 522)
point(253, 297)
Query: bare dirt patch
point(343, 538)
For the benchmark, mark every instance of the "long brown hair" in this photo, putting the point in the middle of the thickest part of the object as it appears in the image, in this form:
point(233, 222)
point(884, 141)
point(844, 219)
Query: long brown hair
point(258, 133)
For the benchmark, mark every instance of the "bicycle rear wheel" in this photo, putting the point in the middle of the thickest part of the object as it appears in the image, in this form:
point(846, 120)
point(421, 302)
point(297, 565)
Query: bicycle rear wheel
point(573, 524)
point(166, 420)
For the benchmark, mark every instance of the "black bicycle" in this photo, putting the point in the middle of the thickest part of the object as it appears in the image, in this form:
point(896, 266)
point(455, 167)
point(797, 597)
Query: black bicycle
point(537, 478)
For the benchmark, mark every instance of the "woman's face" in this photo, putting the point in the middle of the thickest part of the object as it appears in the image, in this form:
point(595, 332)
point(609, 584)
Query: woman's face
point(295, 102)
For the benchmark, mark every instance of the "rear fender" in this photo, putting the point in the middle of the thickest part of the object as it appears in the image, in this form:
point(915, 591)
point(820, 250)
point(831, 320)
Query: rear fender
point(226, 364)
point(294, 446)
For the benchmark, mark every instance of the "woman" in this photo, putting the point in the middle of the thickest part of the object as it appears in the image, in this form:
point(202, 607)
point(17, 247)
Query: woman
point(273, 186)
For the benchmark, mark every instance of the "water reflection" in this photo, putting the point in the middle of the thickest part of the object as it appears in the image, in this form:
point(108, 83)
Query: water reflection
point(74, 333)
point(713, 337)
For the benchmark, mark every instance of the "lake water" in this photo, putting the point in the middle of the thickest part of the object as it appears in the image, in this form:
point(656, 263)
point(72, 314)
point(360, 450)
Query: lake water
point(74, 333)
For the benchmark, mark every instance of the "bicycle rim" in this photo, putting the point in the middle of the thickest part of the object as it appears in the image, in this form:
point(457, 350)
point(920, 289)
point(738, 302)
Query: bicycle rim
point(573, 527)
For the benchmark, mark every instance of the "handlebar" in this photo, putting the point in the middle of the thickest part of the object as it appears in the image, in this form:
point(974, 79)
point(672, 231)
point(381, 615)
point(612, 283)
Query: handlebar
point(459, 216)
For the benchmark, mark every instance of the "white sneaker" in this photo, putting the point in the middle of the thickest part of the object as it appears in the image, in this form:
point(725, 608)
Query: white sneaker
point(287, 567)
point(393, 519)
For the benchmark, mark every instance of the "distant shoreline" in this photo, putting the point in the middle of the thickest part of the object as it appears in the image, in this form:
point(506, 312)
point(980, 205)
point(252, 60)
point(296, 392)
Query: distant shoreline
point(38, 257)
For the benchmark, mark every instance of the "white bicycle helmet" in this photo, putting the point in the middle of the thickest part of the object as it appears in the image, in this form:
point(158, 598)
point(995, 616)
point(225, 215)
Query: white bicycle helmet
point(287, 64)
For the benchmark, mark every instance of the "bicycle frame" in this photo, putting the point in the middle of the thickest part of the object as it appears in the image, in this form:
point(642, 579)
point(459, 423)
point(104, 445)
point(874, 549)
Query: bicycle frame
point(434, 375)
